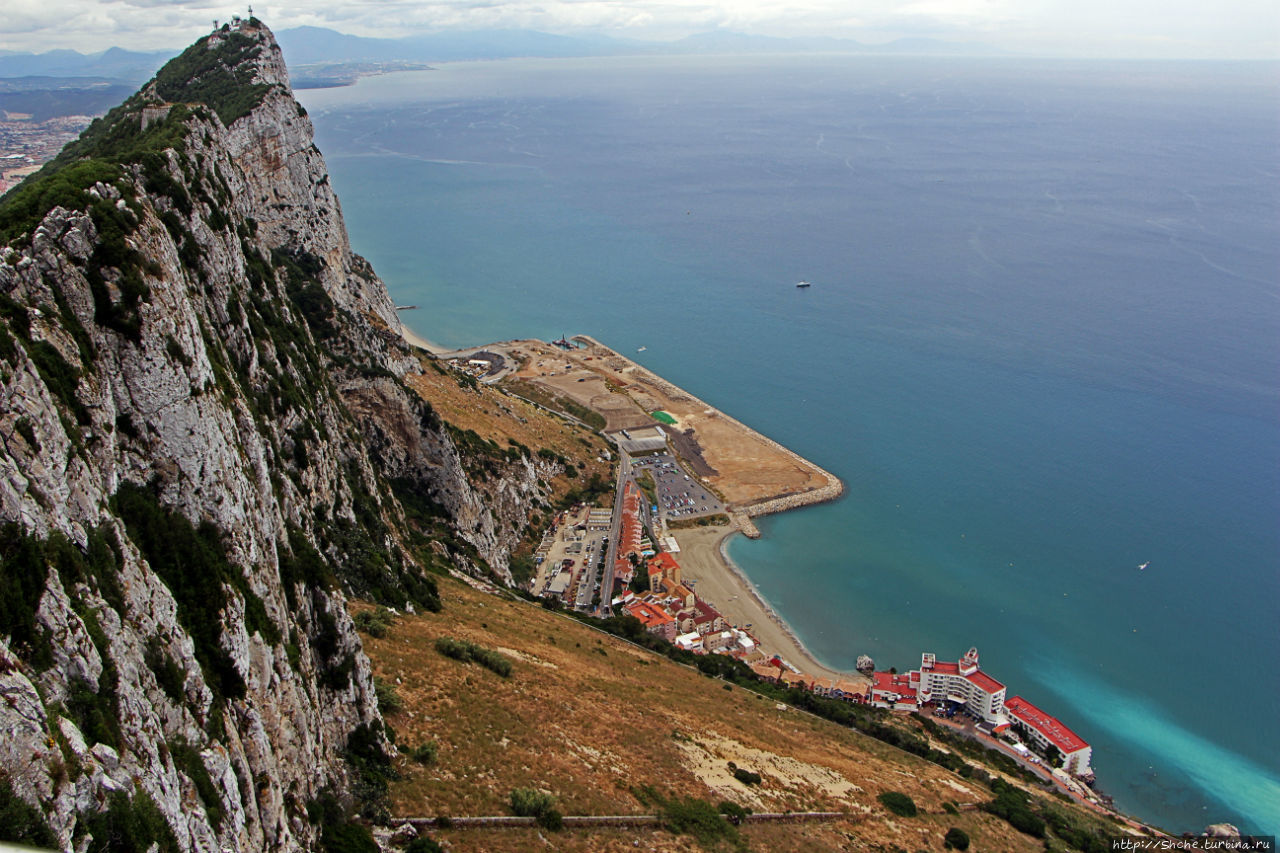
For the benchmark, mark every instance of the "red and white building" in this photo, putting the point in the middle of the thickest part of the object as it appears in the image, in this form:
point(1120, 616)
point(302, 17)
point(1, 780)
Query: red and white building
point(963, 683)
point(1042, 730)
point(654, 619)
point(630, 535)
point(895, 690)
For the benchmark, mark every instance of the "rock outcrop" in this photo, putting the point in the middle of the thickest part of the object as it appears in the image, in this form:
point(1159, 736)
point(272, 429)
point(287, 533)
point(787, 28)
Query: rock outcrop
point(205, 444)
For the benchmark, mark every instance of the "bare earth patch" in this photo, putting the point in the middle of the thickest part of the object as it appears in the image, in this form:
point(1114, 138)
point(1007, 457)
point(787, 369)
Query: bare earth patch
point(744, 466)
point(786, 779)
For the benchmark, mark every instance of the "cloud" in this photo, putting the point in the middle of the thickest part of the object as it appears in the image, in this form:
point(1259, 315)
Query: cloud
point(1223, 28)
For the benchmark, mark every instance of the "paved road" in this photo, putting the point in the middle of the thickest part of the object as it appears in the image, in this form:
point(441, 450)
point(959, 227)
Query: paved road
point(615, 530)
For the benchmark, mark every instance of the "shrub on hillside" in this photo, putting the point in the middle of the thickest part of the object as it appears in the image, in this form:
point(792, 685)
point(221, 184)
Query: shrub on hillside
point(1013, 805)
point(389, 701)
point(375, 623)
point(425, 754)
point(691, 816)
point(956, 839)
point(530, 802)
point(898, 803)
point(464, 651)
point(734, 812)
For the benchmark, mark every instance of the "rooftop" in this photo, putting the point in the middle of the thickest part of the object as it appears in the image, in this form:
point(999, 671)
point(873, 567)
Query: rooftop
point(648, 614)
point(1058, 734)
point(985, 681)
point(889, 682)
point(767, 670)
point(663, 561)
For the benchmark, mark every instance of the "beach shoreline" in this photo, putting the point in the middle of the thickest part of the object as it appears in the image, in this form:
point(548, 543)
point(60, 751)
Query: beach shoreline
point(705, 559)
point(413, 339)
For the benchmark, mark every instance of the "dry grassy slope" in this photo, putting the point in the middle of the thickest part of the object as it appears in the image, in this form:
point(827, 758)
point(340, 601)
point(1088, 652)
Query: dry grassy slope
point(587, 717)
point(500, 418)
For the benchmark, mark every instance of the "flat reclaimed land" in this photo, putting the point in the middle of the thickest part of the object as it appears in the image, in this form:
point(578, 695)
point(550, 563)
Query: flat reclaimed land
point(752, 473)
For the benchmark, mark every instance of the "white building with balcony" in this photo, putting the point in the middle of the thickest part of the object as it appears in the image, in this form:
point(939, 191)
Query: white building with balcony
point(963, 683)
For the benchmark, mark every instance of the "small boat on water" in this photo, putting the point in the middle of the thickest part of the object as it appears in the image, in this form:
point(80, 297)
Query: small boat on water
point(642, 349)
point(804, 284)
point(1144, 565)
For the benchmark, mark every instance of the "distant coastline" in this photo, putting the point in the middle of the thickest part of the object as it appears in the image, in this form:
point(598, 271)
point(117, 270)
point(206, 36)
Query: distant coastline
point(335, 75)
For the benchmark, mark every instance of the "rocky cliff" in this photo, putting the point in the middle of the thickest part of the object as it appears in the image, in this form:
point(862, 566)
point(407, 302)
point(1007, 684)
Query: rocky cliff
point(206, 441)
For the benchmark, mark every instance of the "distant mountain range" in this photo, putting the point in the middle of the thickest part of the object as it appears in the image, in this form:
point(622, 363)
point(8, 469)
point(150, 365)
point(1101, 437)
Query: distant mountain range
point(312, 45)
point(112, 64)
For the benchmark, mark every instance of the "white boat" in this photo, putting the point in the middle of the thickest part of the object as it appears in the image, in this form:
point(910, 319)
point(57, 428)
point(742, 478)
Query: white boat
point(642, 349)
point(1144, 565)
point(804, 284)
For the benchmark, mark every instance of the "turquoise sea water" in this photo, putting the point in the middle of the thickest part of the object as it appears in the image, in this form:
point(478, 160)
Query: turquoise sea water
point(1041, 346)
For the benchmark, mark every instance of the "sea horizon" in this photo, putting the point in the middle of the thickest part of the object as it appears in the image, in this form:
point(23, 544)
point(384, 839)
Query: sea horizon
point(1039, 346)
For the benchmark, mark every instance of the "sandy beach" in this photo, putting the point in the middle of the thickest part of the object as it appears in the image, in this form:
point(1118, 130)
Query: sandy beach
point(414, 339)
point(721, 583)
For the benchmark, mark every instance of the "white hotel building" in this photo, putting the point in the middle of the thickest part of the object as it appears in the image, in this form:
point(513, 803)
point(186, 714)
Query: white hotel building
point(963, 683)
point(1043, 729)
point(982, 697)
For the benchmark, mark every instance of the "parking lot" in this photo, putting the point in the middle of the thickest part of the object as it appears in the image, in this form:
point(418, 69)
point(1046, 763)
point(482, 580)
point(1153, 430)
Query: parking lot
point(569, 561)
point(679, 494)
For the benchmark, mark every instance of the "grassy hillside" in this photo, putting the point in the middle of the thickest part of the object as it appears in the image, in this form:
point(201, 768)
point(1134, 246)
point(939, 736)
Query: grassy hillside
point(481, 413)
point(607, 728)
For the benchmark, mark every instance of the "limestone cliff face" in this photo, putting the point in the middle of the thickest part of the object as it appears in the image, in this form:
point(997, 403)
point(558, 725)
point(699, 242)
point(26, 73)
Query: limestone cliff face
point(204, 440)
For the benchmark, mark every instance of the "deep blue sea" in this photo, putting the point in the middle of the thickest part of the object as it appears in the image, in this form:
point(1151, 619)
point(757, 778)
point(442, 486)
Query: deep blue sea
point(1041, 346)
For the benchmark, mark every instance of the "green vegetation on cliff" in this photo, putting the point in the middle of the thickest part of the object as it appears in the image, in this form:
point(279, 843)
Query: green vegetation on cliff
point(192, 562)
point(216, 71)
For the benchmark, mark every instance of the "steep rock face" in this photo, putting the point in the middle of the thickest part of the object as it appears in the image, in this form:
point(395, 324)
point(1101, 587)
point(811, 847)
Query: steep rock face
point(203, 430)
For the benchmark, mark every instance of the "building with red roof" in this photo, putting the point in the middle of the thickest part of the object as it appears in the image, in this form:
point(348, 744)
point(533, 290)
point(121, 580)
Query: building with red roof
point(894, 690)
point(667, 567)
point(1044, 730)
point(701, 617)
point(796, 679)
point(654, 619)
point(963, 683)
point(630, 535)
point(680, 594)
point(769, 672)
point(848, 691)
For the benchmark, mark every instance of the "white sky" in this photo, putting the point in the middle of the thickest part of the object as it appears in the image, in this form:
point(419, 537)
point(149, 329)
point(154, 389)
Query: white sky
point(1229, 29)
